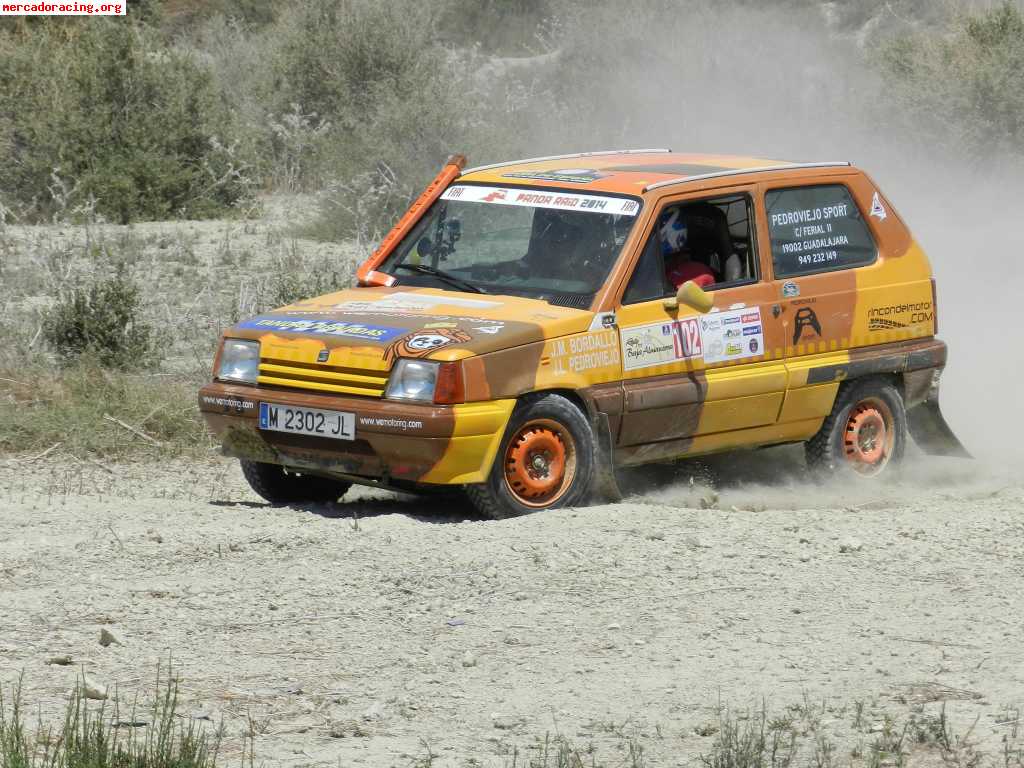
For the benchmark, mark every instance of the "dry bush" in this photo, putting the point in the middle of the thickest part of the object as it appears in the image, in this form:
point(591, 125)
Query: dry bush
point(963, 88)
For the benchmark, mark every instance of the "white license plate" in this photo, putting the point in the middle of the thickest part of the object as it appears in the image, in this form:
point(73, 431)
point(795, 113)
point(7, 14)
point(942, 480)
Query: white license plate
point(308, 421)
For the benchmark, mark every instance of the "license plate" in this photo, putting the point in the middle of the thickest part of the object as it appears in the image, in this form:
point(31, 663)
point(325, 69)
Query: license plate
point(308, 421)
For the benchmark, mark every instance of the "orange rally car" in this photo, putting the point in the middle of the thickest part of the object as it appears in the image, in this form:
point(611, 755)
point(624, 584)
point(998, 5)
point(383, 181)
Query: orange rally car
point(528, 328)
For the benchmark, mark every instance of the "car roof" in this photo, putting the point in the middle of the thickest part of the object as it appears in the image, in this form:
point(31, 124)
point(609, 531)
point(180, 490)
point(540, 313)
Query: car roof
point(626, 171)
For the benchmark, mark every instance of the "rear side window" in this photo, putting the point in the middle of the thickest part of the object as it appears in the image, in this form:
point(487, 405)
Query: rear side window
point(817, 229)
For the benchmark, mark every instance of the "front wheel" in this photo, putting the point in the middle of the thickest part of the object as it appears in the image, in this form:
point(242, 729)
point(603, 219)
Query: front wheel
point(866, 433)
point(277, 486)
point(546, 460)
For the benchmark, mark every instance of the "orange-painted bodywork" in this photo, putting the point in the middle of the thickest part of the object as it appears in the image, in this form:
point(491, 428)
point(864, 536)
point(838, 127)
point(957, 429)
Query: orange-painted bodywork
point(497, 348)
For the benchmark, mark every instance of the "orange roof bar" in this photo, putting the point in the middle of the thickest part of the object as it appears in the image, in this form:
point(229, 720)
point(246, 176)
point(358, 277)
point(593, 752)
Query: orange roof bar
point(367, 273)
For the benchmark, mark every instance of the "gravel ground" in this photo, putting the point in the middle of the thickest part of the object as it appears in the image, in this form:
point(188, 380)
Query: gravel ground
point(372, 631)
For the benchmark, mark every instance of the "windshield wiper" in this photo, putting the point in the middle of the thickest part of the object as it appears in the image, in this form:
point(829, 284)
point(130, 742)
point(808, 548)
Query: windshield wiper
point(440, 274)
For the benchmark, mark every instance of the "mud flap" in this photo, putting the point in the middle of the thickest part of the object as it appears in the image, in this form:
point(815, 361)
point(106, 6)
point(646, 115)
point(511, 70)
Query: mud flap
point(931, 432)
point(606, 487)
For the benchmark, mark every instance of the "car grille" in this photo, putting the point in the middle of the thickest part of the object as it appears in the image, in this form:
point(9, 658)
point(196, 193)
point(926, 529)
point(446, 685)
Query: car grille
point(323, 378)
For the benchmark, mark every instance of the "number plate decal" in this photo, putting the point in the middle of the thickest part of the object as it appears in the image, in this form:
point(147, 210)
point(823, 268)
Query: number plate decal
point(337, 425)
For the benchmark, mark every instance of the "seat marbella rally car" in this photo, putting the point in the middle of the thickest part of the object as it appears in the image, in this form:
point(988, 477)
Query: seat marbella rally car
point(520, 333)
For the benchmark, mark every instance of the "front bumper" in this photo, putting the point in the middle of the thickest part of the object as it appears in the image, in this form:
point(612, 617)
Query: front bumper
point(403, 441)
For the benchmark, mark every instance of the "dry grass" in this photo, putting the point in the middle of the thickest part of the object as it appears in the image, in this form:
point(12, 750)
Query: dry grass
point(194, 278)
point(46, 409)
point(101, 736)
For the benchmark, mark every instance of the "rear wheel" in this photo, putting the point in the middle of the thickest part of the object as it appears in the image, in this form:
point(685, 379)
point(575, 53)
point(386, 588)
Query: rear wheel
point(866, 433)
point(546, 460)
point(277, 486)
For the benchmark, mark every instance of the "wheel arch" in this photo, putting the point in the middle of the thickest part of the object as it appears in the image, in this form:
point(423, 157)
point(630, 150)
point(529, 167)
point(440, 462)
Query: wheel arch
point(573, 396)
point(894, 378)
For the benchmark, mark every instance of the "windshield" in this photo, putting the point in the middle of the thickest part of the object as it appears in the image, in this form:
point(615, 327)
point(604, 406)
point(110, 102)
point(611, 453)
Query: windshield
point(551, 245)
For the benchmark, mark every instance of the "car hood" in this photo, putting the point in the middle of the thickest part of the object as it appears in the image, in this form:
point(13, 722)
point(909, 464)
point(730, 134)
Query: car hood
point(371, 327)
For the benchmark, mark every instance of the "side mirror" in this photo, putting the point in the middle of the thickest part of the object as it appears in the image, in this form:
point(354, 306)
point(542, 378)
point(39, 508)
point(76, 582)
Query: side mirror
point(693, 296)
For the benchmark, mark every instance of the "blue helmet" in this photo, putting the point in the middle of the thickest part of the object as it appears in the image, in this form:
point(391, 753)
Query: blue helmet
point(672, 229)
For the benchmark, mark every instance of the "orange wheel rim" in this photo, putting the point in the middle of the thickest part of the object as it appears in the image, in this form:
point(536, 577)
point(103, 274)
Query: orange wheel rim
point(540, 463)
point(869, 437)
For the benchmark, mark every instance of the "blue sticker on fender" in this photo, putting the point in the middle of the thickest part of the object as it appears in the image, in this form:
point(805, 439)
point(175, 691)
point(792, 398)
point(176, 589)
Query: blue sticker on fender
point(323, 328)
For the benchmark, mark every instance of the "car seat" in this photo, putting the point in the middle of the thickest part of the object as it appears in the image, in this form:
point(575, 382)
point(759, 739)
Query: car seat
point(709, 241)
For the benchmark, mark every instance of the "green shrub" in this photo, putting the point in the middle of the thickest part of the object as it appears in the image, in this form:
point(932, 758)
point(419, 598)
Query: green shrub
point(104, 115)
point(398, 103)
point(101, 320)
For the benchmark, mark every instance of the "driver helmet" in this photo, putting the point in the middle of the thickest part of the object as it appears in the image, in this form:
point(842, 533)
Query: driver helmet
point(672, 229)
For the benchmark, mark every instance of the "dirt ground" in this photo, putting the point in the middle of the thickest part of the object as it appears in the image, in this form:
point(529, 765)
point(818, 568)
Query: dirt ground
point(385, 629)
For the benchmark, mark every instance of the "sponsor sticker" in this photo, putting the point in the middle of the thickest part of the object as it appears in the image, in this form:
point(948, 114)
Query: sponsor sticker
point(733, 335)
point(893, 316)
point(572, 175)
point(422, 343)
point(340, 328)
point(229, 402)
point(406, 301)
point(602, 320)
point(877, 209)
point(881, 324)
point(532, 198)
point(644, 346)
point(790, 289)
point(390, 423)
point(806, 320)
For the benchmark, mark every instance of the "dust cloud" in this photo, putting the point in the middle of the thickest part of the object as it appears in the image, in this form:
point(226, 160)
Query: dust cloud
point(778, 82)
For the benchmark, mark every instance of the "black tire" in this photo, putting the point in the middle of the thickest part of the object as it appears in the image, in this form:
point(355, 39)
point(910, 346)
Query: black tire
point(277, 486)
point(837, 450)
point(536, 421)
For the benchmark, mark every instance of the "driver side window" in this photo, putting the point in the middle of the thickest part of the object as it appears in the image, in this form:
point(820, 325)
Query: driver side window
point(710, 242)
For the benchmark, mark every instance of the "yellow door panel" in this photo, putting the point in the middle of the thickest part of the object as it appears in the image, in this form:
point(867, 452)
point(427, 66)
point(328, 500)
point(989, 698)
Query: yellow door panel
point(809, 402)
point(739, 413)
point(688, 374)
